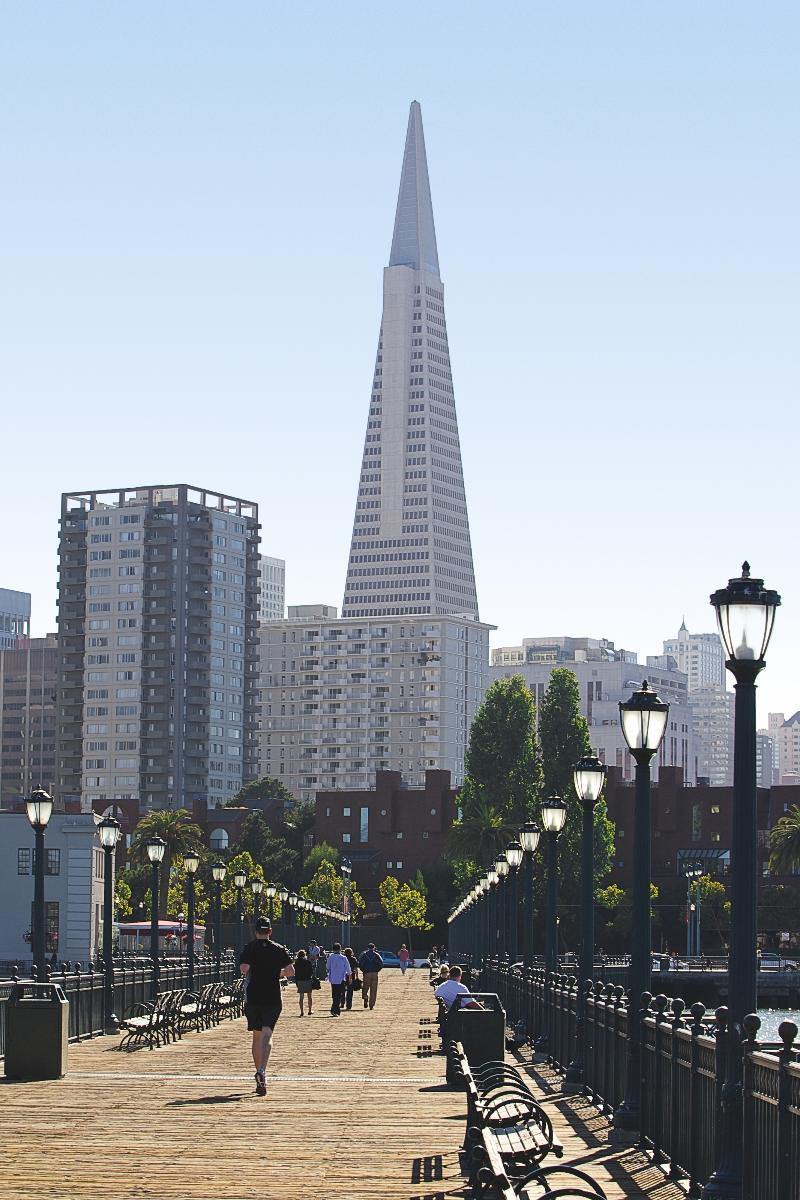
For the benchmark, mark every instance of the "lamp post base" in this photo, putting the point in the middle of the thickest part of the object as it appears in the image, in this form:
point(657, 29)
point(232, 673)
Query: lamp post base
point(573, 1078)
point(626, 1128)
point(112, 1024)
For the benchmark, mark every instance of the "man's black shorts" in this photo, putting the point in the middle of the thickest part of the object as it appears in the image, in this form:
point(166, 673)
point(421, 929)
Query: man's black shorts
point(261, 1015)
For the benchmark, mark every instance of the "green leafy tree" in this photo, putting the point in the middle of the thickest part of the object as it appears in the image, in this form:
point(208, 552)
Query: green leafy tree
point(317, 856)
point(272, 853)
point(404, 905)
point(482, 830)
point(177, 829)
point(564, 737)
point(263, 791)
point(784, 843)
point(715, 908)
point(176, 895)
point(502, 761)
point(122, 898)
point(618, 904)
point(778, 911)
point(326, 886)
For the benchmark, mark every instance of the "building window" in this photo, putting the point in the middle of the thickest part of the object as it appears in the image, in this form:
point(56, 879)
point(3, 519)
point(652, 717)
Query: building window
point(218, 839)
point(715, 809)
point(24, 862)
point(346, 839)
point(399, 836)
point(364, 825)
point(52, 862)
point(399, 865)
point(345, 812)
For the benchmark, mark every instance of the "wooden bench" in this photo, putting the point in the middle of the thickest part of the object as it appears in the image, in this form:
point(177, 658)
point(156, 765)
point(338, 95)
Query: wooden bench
point(492, 1178)
point(230, 1003)
point(148, 1023)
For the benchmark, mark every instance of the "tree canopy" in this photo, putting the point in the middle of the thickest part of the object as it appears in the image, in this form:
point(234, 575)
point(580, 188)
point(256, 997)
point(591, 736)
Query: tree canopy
point(326, 886)
point(177, 829)
point(270, 852)
point(784, 843)
point(262, 791)
point(404, 905)
point(502, 762)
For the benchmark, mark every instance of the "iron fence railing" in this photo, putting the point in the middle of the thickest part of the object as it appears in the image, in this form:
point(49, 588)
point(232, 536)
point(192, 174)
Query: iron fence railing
point(84, 988)
point(682, 1066)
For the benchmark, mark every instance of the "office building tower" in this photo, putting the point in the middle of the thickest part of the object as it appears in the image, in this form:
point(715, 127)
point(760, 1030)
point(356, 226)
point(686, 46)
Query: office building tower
point(272, 588)
point(15, 617)
point(410, 553)
point(28, 683)
point(157, 680)
point(701, 656)
point(343, 698)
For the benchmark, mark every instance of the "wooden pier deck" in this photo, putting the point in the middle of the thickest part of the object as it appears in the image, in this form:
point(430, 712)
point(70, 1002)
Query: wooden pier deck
point(357, 1107)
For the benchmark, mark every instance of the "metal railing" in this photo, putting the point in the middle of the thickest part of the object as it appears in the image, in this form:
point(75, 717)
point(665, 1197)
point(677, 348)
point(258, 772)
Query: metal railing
point(683, 1067)
point(84, 988)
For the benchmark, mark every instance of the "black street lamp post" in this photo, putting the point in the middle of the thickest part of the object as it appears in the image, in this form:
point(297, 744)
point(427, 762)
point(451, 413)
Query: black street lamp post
point(156, 847)
point(39, 809)
point(347, 872)
point(191, 861)
point(240, 883)
point(644, 721)
point(554, 814)
point(692, 872)
point(514, 856)
point(745, 616)
point(257, 887)
point(108, 831)
point(292, 913)
point(283, 896)
point(218, 875)
point(501, 870)
point(269, 892)
point(588, 778)
point(529, 836)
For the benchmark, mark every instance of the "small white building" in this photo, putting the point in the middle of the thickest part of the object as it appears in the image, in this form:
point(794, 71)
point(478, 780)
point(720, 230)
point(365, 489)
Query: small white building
point(73, 887)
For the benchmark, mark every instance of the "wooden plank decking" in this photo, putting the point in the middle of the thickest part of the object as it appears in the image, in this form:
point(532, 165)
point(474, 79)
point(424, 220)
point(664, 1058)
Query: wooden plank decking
point(357, 1107)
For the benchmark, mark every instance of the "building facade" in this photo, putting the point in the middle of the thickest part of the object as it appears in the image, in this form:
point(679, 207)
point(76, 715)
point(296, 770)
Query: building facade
point(701, 656)
point(15, 617)
point(605, 676)
point(73, 887)
point(787, 738)
point(272, 588)
point(158, 646)
point(344, 698)
point(410, 553)
point(28, 685)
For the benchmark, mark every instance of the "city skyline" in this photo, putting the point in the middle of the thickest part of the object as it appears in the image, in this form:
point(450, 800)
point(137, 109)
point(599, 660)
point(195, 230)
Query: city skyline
point(621, 286)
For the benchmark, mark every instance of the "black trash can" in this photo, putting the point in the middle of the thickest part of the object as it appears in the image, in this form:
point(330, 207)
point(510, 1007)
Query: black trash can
point(37, 1031)
point(481, 1031)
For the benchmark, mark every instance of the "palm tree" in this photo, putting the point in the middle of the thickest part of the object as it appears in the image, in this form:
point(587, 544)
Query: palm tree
point(481, 833)
point(784, 843)
point(176, 828)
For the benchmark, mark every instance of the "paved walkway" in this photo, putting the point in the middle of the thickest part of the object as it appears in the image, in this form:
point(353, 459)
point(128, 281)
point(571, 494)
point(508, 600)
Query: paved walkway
point(357, 1107)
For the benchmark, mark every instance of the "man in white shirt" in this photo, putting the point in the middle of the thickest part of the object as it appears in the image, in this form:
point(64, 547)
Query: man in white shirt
point(452, 987)
point(339, 971)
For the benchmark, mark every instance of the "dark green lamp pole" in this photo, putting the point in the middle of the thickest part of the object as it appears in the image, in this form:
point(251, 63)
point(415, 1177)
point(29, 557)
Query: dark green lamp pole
point(644, 722)
point(501, 869)
point(240, 883)
point(218, 874)
point(588, 777)
point(514, 857)
point(745, 617)
point(108, 831)
point(257, 887)
point(39, 809)
point(156, 848)
point(529, 836)
point(191, 861)
point(554, 814)
point(283, 896)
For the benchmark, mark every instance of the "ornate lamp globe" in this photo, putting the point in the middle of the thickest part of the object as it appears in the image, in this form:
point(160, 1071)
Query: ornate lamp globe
point(39, 808)
point(257, 886)
point(292, 899)
point(745, 617)
point(515, 855)
point(109, 832)
point(501, 865)
point(156, 848)
point(283, 895)
point(529, 837)
point(191, 861)
point(240, 879)
point(554, 814)
point(218, 871)
point(644, 721)
point(271, 890)
point(588, 777)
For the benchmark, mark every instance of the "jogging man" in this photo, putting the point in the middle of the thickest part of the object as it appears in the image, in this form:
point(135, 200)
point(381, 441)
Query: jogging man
point(371, 963)
point(263, 962)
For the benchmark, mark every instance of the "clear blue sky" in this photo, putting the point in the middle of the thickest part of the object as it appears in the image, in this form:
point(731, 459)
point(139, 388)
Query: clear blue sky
point(195, 209)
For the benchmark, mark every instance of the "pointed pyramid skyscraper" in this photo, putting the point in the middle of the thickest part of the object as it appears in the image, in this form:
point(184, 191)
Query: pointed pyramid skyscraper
point(411, 552)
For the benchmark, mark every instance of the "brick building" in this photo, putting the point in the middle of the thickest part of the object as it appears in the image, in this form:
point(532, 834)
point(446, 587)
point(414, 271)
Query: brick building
point(390, 829)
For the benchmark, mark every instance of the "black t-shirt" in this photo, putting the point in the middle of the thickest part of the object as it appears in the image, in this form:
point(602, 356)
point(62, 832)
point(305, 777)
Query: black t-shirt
point(266, 960)
point(303, 969)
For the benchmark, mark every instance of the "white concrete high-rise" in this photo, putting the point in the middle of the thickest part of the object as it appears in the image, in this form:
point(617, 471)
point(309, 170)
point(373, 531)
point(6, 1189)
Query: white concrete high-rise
point(15, 618)
point(410, 553)
point(271, 588)
point(701, 656)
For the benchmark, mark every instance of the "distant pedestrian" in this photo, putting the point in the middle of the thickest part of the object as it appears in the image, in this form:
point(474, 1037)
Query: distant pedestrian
point(350, 984)
point(370, 963)
point(304, 978)
point(442, 977)
point(404, 956)
point(263, 962)
point(322, 964)
point(313, 955)
point(339, 971)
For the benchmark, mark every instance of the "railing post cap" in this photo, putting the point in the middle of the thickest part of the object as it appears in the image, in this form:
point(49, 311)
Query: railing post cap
point(787, 1032)
point(721, 1015)
point(678, 1007)
point(698, 1011)
point(751, 1024)
point(659, 1003)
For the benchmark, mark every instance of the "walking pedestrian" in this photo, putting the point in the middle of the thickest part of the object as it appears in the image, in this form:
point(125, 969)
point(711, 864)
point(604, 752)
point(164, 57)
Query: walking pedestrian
point(313, 955)
point(338, 973)
point(350, 985)
point(370, 963)
point(404, 957)
point(263, 962)
point(304, 978)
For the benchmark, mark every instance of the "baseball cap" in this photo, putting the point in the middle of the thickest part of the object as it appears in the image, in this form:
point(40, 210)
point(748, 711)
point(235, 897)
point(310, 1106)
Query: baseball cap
point(263, 925)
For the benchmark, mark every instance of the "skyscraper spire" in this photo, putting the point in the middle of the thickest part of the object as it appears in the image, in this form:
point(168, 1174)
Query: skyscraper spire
point(414, 239)
point(410, 552)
